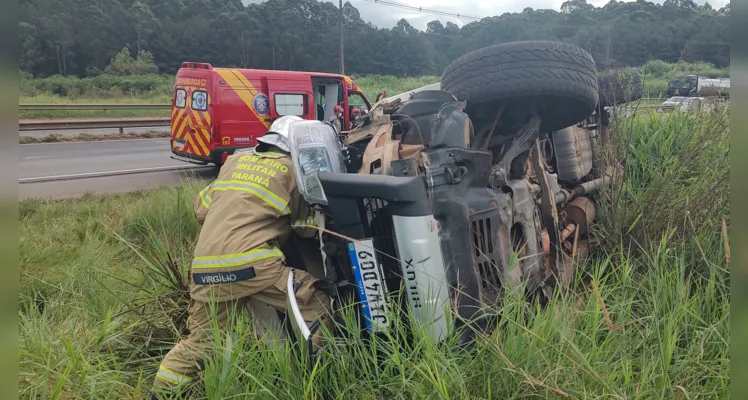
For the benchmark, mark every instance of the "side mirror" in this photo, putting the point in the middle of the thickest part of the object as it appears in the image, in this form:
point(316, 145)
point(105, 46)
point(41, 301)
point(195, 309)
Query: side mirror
point(381, 95)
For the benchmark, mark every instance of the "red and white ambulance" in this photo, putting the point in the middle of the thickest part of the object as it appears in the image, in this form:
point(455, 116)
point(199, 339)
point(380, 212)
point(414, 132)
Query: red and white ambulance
point(218, 110)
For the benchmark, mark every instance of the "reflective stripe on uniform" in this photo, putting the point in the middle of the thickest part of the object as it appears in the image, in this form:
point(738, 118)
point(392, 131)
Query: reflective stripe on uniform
point(165, 374)
point(232, 260)
point(269, 197)
point(205, 198)
point(270, 154)
point(309, 221)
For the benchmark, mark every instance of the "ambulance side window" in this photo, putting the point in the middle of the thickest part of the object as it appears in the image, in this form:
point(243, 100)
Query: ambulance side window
point(357, 101)
point(290, 104)
point(180, 100)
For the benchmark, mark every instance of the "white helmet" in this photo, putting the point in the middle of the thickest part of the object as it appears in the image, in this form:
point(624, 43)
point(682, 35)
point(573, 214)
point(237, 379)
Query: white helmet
point(277, 135)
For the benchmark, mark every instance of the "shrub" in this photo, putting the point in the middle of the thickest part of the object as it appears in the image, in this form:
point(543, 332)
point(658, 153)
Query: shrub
point(124, 64)
point(661, 69)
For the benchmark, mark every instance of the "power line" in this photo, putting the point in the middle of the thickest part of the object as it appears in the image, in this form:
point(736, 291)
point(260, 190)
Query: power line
point(421, 9)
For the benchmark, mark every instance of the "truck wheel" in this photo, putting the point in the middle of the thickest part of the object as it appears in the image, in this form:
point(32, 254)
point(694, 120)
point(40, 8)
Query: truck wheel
point(619, 86)
point(559, 79)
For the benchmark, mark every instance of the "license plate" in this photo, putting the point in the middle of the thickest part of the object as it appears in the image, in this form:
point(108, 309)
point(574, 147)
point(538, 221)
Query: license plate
point(179, 144)
point(371, 286)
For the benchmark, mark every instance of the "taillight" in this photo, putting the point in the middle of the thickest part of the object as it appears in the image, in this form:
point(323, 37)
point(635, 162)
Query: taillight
point(216, 132)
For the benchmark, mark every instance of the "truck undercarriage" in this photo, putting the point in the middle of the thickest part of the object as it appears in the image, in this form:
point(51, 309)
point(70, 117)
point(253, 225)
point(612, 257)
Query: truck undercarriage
point(449, 202)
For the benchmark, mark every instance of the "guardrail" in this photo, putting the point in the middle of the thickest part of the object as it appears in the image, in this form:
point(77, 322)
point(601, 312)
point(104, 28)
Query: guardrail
point(121, 123)
point(71, 124)
point(102, 107)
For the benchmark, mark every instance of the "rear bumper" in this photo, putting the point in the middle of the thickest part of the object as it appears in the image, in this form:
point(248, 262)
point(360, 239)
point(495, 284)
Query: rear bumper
point(402, 228)
point(217, 156)
point(190, 158)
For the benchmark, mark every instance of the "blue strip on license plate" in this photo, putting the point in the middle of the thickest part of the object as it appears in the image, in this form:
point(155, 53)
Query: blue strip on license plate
point(371, 286)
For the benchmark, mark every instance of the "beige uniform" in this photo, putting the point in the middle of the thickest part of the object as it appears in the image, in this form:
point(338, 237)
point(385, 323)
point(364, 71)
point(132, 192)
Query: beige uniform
point(246, 214)
point(337, 123)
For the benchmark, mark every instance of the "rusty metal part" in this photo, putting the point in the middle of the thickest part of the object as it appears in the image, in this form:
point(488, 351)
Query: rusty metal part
point(563, 196)
point(566, 195)
point(567, 231)
point(580, 212)
point(527, 234)
point(546, 242)
point(548, 208)
point(565, 266)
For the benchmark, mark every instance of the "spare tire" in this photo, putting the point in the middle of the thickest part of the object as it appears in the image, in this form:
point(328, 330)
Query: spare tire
point(559, 79)
point(619, 86)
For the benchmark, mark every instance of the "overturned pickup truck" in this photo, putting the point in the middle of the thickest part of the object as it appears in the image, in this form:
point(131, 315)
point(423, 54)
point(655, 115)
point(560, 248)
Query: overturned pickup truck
point(456, 193)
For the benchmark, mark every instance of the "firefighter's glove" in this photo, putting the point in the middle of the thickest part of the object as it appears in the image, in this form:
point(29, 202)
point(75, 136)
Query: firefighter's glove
point(326, 286)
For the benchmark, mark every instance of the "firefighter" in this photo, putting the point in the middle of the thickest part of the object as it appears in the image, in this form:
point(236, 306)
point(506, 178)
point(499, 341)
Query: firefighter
point(355, 117)
point(337, 119)
point(246, 214)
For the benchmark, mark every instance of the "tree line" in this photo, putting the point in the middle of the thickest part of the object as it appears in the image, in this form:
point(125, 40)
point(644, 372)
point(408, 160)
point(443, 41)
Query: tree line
point(84, 37)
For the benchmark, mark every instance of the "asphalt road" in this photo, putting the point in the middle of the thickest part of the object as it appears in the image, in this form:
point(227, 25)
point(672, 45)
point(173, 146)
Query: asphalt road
point(51, 160)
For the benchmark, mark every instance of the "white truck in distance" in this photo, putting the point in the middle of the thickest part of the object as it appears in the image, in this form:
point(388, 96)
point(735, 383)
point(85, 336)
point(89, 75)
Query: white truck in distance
point(699, 86)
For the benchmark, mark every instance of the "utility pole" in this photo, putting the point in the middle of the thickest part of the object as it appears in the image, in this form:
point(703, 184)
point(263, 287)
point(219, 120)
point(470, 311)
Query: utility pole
point(607, 46)
point(342, 54)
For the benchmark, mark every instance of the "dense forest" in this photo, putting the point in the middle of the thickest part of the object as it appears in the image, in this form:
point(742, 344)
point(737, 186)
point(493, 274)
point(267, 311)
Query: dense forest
point(81, 37)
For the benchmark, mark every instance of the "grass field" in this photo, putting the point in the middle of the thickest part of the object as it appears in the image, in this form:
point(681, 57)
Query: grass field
point(98, 310)
point(53, 114)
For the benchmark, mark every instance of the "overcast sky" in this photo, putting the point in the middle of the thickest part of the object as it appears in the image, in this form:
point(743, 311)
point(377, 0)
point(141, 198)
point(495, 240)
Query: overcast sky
point(387, 16)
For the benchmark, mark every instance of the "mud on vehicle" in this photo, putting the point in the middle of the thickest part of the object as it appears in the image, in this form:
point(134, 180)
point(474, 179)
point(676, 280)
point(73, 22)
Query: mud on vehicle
point(461, 193)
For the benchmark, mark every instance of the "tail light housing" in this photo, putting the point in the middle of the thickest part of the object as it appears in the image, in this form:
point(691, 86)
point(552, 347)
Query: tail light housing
point(215, 134)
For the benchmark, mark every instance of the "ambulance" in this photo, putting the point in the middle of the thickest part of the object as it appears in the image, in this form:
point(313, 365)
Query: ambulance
point(215, 111)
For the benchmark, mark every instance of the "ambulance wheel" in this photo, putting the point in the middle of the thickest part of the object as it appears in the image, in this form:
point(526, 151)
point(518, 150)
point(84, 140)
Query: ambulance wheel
point(558, 79)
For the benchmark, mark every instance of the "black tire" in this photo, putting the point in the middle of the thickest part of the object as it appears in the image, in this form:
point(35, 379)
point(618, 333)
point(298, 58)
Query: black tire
point(560, 79)
point(619, 87)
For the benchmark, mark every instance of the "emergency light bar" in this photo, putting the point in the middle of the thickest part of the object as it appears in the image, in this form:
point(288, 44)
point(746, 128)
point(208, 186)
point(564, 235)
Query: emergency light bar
point(197, 65)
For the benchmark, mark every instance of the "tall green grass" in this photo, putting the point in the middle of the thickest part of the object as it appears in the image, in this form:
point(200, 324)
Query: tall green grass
point(120, 99)
point(661, 69)
point(677, 173)
point(101, 300)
